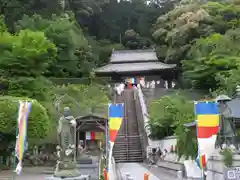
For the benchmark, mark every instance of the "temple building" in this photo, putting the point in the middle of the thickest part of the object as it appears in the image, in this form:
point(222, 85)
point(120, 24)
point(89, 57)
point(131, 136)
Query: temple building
point(138, 63)
point(91, 132)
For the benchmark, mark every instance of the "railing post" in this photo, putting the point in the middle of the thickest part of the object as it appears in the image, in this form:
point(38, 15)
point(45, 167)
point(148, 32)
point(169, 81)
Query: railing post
point(180, 175)
point(127, 175)
point(146, 176)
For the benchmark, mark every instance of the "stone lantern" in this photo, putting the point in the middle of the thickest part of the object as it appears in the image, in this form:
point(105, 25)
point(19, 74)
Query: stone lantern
point(230, 120)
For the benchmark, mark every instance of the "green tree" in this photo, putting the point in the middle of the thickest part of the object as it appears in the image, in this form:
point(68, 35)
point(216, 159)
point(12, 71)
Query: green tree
point(176, 31)
point(38, 121)
point(25, 54)
point(102, 50)
point(74, 57)
point(25, 57)
point(13, 10)
point(83, 99)
point(168, 116)
point(132, 40)
point(216, 54)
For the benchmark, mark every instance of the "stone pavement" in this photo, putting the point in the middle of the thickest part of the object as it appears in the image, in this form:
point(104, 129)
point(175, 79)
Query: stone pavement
point(160, 172)
point(31, 173)
point(35, 173)
point(136, 170)
point(165, 174)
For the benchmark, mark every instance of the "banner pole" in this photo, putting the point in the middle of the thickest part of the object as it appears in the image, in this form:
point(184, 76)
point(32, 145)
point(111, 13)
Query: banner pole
point(195, 114)
point(110, 157)
point(14, 154)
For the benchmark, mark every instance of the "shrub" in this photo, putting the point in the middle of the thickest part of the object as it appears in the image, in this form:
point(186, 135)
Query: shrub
point(38, 121)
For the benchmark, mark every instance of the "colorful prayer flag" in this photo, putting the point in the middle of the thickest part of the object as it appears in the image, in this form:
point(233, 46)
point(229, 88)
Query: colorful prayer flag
point(21, 142)
point(116, 113)
point(207, 115)
point(201, 161)
point(94, 135)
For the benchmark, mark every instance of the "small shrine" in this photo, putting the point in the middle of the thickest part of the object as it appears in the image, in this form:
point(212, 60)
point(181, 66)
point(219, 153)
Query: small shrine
point(91, 132)
point(134, 65)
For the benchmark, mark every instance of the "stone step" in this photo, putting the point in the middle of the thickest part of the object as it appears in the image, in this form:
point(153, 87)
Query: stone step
point(129, 144)
point(128, 151)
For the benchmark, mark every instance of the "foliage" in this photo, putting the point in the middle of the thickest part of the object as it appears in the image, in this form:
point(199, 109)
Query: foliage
point(38, 121)
point(187, 142)
point(168, 116)
point(102, 50)
point(227, 82)
point(227, 157)
point(169, 112)
point(132, 40)
point(74, 54)
point(210, 56)
point(204, 35)
point(83, 99)
point(25, 54)
point(117, 17)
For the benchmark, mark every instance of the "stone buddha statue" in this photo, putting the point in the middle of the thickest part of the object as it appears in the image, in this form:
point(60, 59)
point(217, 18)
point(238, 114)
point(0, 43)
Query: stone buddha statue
point(66, 165)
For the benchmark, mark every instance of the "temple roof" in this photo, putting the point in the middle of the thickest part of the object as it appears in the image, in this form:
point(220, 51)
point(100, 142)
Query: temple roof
point(134, 60)
point(233, 108)
point(133, 56)
point(130, 67)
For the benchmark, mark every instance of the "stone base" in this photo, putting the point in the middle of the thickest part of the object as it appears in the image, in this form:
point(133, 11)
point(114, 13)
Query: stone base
point(67, 173)
point(82, 177)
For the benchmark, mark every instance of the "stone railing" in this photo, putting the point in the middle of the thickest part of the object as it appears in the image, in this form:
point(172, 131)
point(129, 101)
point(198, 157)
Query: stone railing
point(217, 169)
point(142, 119)
point(144, 109)
point(113, 172)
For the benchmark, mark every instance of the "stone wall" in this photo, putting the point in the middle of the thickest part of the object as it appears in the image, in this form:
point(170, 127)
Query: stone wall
point(216, 167)
point(171, 161)
point(165, 143)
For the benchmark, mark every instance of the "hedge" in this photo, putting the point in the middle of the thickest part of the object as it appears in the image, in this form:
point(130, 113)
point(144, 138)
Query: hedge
point(38, 121)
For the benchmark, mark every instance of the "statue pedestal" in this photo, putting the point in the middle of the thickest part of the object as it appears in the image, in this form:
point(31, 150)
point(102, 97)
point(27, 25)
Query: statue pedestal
point(82, 177)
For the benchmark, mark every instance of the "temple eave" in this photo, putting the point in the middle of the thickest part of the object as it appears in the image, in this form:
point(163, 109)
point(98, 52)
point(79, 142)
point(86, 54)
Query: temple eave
point(135, 67)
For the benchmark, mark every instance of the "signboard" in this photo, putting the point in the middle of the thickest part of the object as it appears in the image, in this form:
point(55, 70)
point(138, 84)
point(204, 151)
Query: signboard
point(232, 174)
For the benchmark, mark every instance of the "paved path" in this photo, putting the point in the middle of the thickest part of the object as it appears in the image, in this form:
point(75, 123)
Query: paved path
point(8, 175)
point(32, 173)
point(136, 170)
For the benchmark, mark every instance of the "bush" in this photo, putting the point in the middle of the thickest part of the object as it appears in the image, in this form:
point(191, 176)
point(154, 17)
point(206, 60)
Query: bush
point(83, 99)
point(169, 112)
point(168, 116)
point(227, 157)
point(38, 121)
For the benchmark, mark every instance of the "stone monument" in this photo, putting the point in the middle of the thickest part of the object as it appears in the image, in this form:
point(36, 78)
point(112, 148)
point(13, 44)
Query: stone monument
point(66, 150)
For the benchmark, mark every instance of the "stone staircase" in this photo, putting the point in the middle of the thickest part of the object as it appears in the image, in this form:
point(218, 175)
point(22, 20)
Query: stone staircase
point(128, 147)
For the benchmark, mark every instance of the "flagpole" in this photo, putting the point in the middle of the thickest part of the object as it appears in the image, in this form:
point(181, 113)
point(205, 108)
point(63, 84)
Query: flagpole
point(14, 154)
point(110, 157)
point(202, 171)
point(107, 136)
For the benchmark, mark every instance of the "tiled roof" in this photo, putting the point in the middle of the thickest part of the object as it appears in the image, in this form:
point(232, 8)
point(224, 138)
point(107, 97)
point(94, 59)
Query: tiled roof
point(133, 55)
point(130, 67)
point(233, 106)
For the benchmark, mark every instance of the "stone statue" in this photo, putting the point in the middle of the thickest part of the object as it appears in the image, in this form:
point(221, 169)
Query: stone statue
point(66, 164)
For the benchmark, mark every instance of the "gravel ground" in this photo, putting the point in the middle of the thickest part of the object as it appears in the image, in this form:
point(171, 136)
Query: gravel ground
point(35, 173)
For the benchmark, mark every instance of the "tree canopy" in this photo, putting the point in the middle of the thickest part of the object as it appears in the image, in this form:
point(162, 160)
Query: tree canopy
point(167, 118)
point(38, 121)
point(45, 40)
